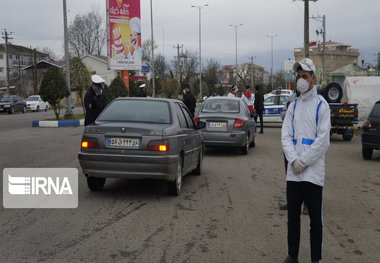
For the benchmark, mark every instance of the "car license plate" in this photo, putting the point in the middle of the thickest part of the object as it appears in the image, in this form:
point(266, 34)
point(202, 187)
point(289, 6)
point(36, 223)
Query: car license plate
point(124, 142)
point(217, 125)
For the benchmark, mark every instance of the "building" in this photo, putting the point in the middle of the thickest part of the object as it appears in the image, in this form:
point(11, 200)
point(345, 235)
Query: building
point(97, 64)
point(18, 58)
point(337, 55)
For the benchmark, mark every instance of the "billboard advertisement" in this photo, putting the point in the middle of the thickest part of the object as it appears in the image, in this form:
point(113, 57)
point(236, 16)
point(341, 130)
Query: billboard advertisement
point(124, 45)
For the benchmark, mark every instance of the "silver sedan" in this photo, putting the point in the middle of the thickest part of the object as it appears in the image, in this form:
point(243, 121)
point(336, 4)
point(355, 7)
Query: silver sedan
point(228, 123)
point(139, 138)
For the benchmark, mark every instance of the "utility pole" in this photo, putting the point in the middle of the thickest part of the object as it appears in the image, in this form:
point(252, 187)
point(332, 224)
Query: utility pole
point(271, 68)
point(306, 27)
point(323, 52)
point(69, 112)
point(252, 68)
point(34, 71)
point(152, 64)
point(178, 47)
point(6, 38)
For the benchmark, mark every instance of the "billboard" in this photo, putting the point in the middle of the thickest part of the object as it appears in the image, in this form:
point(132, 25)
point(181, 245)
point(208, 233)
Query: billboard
point(124, 45)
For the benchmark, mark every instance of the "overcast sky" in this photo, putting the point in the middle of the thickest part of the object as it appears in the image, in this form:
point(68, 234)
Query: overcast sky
point(39, 23)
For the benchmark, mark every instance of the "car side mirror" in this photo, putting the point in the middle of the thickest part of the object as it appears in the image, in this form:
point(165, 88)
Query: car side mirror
point(200, 125)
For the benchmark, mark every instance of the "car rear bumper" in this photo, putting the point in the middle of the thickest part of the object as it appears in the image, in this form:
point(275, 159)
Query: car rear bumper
point(129, 166)
point(235, 139)
point(371, 140)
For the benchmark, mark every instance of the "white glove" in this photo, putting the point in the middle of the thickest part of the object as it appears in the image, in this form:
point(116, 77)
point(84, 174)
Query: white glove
point(298, 166)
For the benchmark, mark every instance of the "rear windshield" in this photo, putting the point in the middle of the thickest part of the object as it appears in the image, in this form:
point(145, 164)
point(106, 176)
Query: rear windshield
point(137, 111)
point(376, 110)
point(33, 99)
point(226, 106)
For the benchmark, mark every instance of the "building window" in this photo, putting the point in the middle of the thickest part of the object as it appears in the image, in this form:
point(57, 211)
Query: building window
point(1, 69)
point(1, 56)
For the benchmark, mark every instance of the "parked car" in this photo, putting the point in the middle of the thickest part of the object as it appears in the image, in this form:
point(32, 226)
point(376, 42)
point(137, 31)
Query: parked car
point(228, 123)
point(273, 106)
point(371, 132)
point(35, 103)
point(12, 103)
point(142, 138)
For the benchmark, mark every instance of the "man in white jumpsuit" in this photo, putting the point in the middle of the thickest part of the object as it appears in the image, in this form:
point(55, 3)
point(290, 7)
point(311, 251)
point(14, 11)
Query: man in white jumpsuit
point(305, 139)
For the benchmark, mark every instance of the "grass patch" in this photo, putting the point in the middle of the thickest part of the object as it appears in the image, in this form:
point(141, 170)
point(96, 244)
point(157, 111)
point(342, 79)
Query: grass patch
point(74, 118)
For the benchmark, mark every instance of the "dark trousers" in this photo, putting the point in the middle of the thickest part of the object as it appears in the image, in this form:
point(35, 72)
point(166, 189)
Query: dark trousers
point(311, 194)
point(260, 115)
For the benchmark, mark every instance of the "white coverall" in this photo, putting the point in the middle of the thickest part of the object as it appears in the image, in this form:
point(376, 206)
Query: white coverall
point(306, 134)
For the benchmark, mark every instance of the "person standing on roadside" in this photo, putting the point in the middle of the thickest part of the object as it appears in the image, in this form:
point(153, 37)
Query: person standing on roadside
point(233, 92)
point(305, 137)
point(259, 107)
point(142, 92)
point(94, 100)
point(249, 98)
point(188, 99)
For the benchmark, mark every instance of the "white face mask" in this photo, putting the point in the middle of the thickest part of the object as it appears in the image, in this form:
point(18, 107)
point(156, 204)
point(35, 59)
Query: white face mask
point(302, 85)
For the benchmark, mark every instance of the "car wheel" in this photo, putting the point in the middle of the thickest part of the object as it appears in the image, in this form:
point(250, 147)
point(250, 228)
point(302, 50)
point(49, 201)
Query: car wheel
point(11, 110)
point(38, 108)
point(23, 109)
point(252, 144)
point(46, 108)
point(96, 183)
point(198, 170)
point(174, 188)
point(245, 148)
point(367, 153)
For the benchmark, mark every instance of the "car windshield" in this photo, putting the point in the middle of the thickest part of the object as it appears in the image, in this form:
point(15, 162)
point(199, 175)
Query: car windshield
point(225, 106)
point(137, 111)
point(32, 99)
point(376, 110)
point(6, 99)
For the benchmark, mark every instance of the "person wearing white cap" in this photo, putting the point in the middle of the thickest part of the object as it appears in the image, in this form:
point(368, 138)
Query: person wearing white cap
point(94, 100)
point(142, 92)
point(305, 137)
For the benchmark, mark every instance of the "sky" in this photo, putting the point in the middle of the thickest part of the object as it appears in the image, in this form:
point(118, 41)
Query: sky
point(39, 23)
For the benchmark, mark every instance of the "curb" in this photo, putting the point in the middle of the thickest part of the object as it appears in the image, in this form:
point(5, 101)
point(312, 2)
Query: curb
point(56, 124)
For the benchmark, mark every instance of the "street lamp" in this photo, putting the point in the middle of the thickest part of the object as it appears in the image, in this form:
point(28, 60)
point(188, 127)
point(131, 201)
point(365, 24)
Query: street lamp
point(200, 46)
point(236, 60)
point(271, 68)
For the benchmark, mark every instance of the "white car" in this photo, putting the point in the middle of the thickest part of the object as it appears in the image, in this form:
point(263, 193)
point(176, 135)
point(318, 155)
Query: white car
point(273, 106)
point(35, 103)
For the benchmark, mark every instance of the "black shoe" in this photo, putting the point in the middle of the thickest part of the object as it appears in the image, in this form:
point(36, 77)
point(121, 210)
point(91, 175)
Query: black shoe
point(290, 260)
point(284, 207)
point(315, 261)
point(261, 132)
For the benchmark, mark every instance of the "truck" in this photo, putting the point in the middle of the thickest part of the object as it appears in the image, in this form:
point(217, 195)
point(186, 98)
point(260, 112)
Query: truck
point(358, 94)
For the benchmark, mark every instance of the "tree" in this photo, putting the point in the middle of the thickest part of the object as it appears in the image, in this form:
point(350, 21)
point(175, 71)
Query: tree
point(53, 89)
point(80, 78)
point(87, 34)
point(170, 88)
point(244, 73)
point(115, 90)
point(147, 50)
point(47, 50)
point(211, 76)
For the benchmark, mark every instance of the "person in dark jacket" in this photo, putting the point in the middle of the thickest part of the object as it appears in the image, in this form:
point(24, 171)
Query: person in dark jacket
point(94, 100)
point(259, 106)
point(189, 98)
point(142, 92)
